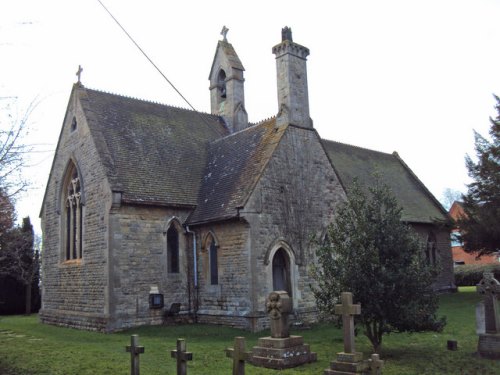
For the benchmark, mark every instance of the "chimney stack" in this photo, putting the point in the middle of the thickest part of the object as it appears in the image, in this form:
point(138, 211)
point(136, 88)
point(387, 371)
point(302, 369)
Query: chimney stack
point(293, 97)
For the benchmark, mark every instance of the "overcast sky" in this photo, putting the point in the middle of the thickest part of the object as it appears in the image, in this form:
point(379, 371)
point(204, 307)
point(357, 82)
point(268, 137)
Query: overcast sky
point(414, 77)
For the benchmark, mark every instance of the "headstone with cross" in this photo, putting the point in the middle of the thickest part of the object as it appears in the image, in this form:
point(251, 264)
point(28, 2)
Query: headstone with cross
point(489, 341)
point(375, 364)
point(349, 361)
point(182, 356)
point(135, 350)
point(348, 310)
point(489, 287)
point(281, 350)
point(279, 306)
point(239, 355)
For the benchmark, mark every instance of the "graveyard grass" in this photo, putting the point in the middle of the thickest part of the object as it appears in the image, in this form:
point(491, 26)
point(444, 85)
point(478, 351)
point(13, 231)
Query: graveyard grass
point(30, 348)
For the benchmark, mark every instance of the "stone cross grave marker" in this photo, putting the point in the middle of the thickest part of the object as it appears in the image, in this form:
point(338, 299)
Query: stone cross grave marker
point(135, 350)
point(278, 306)
point(489, 287)
point(348, 310)
point(182, 356)
point(239, 355)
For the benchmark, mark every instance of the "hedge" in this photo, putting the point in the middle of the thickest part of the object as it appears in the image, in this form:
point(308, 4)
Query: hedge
point(471, 274)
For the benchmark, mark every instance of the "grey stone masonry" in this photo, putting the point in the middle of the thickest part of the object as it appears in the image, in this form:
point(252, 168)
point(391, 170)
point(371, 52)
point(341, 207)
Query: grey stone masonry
point(293, 95)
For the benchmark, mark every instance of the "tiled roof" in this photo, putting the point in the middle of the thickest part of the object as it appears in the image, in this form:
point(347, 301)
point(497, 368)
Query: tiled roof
point(419, 205)
point(152, 153)
point(235, 164)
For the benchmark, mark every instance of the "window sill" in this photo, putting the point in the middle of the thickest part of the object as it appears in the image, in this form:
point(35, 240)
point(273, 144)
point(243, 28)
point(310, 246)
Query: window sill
point(72, 262)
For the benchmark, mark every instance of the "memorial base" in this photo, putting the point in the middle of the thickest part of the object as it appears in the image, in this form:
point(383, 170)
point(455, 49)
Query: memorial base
point(348, 364)
point(281, 353)
point(488, 345)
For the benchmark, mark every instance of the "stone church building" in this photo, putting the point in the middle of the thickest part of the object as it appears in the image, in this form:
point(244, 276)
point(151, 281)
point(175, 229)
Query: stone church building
point(147, 203)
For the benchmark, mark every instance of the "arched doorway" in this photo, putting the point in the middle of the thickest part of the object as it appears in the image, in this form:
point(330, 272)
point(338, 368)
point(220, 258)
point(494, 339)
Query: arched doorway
point(281, 271)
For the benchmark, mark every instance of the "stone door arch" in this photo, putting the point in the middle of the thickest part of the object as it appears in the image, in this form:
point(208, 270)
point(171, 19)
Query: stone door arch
point(281, 271)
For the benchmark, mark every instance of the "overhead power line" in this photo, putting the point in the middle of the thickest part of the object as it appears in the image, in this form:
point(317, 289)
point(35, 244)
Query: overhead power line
point(145, 55)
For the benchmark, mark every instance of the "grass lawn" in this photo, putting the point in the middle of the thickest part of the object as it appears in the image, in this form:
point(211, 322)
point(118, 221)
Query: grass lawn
point(28, 347)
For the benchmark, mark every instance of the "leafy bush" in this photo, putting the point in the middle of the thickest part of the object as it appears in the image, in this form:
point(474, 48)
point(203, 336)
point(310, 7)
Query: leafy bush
point(471, 274)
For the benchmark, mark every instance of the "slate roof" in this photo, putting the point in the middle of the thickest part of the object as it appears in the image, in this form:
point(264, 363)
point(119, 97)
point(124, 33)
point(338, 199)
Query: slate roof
point(152, 153)
point(235, 164)
point(419, 205)
point(163, 155)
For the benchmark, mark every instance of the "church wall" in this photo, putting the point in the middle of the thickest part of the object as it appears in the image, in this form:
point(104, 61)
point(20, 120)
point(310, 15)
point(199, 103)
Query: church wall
point(138, 261)
point(292, 204)
point(445, 280)
point(74, 291)
point(227, 303)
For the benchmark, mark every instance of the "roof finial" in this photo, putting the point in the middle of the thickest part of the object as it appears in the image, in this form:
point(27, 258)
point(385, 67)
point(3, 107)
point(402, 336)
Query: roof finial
point(79, 74)
point(224, 33)
point(286, 34)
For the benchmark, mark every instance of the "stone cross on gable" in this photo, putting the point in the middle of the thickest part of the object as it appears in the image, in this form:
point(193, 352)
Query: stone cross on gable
point(79, 73)
point(182, 356)
point(348, 310)
point(239, 355)
point(134, 349)
point(490, 288)
point(278, 306)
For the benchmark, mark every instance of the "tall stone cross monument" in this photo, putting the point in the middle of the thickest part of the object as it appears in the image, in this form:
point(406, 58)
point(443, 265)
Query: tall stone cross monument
point(348, 310)
point(281, 350)
point(489, 342)
point(349, 361)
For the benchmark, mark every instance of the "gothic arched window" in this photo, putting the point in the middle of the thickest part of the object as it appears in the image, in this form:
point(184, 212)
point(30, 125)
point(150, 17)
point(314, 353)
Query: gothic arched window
point(173, 249)
point(430, 249)
point(73, 215)
point(213, 261)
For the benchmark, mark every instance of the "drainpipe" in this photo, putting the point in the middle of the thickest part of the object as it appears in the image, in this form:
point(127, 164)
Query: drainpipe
point(195, 271)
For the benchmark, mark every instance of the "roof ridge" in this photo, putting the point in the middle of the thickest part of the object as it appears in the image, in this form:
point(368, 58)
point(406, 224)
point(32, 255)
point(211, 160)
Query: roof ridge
point(248, 128)
point(394, 153)
point(150, 101)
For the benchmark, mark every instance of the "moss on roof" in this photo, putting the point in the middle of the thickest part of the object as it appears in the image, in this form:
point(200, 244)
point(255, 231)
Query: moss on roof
point(152, 152)
point(350, 162)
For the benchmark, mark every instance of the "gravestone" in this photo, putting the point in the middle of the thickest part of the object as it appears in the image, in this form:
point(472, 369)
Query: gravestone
point(281, 350)
point(489, 342)
point(239, 355)
point(349, 361)
point(134, 349)
point(182, 356)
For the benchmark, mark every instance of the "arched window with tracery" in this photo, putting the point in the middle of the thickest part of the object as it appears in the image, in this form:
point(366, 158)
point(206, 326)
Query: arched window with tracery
point(73, 214)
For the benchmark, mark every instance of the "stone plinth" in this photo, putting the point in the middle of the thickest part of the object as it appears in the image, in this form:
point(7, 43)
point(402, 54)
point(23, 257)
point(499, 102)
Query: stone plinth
point(281, 353)
point(347, 364)
point(488, 345)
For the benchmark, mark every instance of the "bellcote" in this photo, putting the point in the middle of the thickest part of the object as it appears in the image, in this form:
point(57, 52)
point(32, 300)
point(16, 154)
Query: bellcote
point(227, 97)
point(291, 69)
